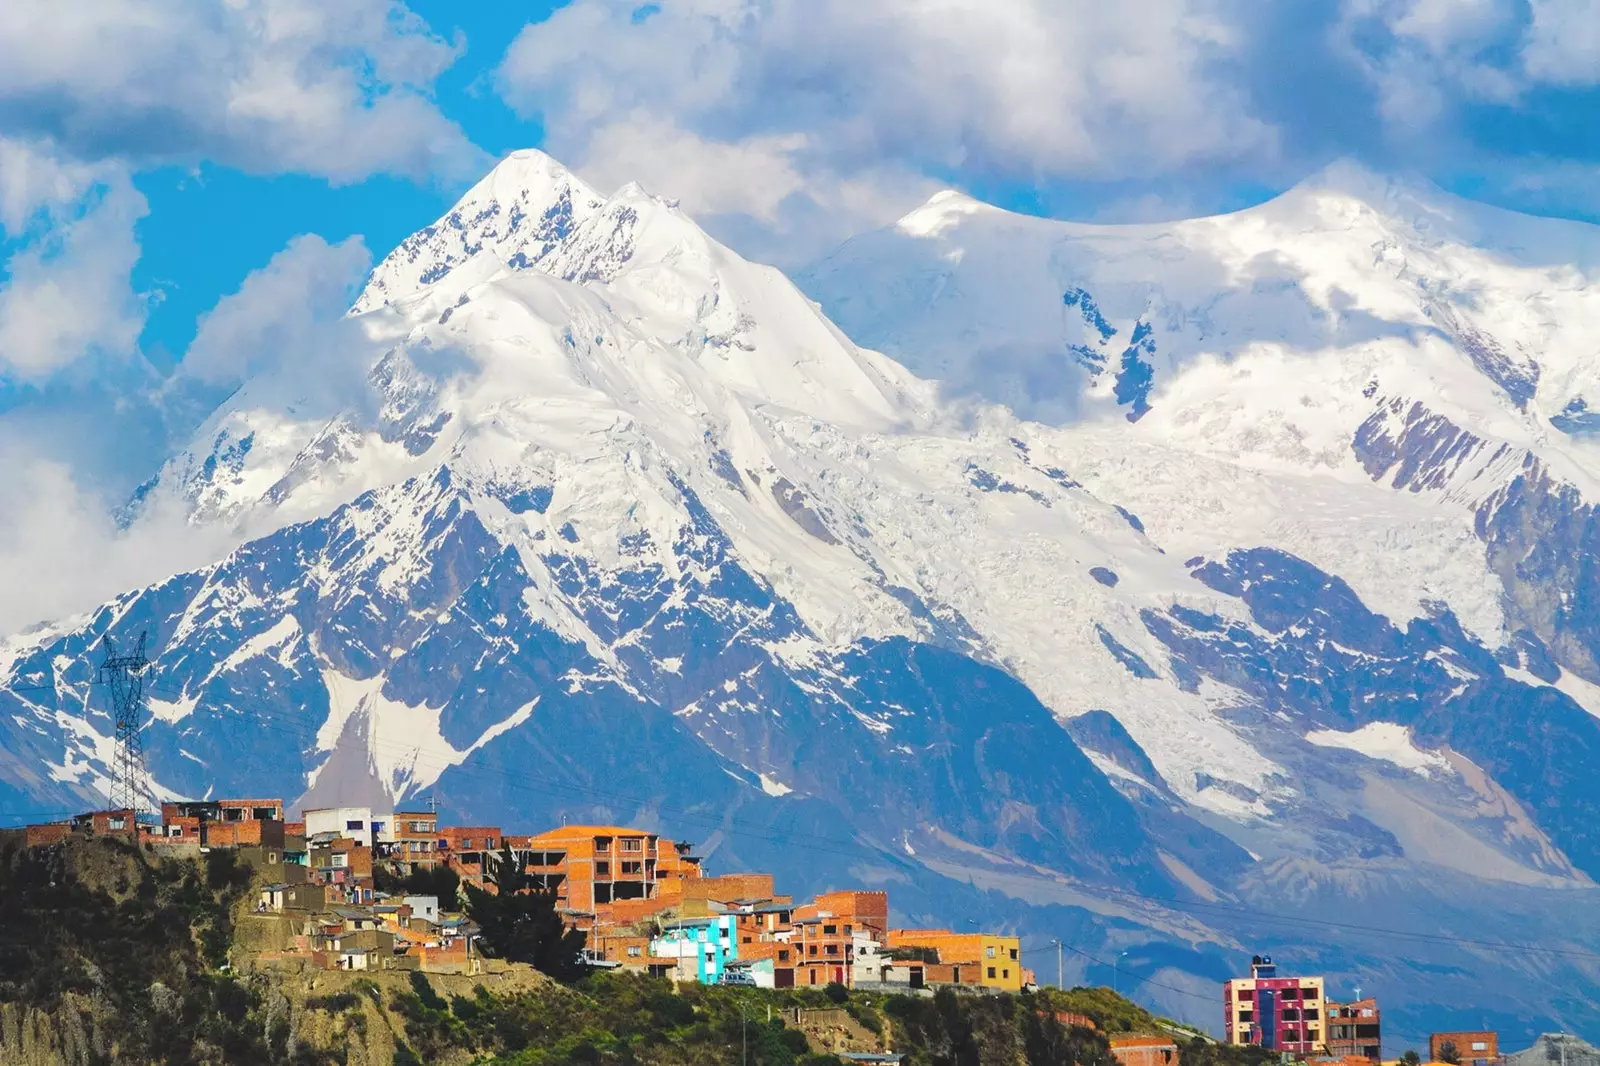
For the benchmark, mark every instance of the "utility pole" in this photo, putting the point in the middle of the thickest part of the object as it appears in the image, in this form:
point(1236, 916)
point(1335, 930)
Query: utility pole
point(1059, 983)
point(124, 675)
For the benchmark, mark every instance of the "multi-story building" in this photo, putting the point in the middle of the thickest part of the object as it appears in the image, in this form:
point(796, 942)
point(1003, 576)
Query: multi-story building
point(342, 864)
point(702, 947)
point(978, 958)
point(123, 824)
point(226, 823)
point(415, 839)
point(1353, 1030)
point(588, 866)
point(356, 823)
point(1277, 1013)
point(471, 851)
point(1470, 1048)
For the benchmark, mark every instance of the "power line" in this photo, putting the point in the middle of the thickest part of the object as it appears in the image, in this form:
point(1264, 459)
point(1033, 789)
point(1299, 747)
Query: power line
point(850, 848)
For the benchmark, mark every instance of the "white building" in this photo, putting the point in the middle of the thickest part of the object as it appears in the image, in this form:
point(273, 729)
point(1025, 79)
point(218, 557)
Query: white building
point(426, 907)
point(357, 823)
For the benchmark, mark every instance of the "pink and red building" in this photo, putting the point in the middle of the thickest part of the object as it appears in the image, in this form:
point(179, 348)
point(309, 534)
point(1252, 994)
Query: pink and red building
point(1277, 1013)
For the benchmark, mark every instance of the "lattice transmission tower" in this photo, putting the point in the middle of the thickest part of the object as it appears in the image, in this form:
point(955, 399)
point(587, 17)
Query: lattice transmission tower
point(124, 676)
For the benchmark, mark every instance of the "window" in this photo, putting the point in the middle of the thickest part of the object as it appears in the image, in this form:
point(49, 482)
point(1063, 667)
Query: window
point(119, 823)
point(991, 971)
point(1247, 993)
point(1013, 954)
point(1480, 1045)
point(1005, 973)
point(355, 823)
point(830, 930)
point(833, 949)
point(991, 955)
point(602, 869)
point(813, 950)
point(783, 955)
point(847, 930)
point(633, 951)
point(632, 844)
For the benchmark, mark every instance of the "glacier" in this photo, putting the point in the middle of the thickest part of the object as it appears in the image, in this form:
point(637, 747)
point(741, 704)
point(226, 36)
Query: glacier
point(1180, 590)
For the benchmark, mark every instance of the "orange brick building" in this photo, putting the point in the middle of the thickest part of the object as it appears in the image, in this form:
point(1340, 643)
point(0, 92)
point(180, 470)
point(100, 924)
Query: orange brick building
point(123, 824)
point(824, 933)
point(416, 839)
point(227, 823)
point(996, 961)
point(1132, 1050)
point(590, 866)
point(1472, 1048)
point(1351, 1030)
point(470, 850)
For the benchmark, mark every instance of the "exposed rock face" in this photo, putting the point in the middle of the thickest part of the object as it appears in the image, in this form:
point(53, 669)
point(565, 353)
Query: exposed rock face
point(1279, 597)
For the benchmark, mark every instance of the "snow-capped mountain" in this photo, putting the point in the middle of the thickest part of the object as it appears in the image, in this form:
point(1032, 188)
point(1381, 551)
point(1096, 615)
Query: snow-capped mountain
point(1161, 589)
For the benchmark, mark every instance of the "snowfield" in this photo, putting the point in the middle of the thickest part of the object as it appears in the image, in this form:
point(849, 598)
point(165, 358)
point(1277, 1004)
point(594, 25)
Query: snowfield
point(1193, 560)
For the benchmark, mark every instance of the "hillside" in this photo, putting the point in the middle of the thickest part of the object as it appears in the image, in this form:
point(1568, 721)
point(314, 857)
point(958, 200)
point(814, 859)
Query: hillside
point(1161, 589)
point(119, 959)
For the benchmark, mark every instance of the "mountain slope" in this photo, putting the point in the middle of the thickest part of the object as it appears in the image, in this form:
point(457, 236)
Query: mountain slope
point(1248, 616)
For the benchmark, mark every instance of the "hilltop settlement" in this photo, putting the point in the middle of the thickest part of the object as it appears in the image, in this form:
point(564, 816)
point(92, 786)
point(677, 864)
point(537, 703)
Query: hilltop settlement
point(354, 890)
point(641, 902)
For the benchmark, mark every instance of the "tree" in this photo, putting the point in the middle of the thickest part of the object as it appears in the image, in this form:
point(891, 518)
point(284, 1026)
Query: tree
point(439, 881)
point(519, 922)
point(1448, 1053)
point(1411, 1058)
point(836, 992)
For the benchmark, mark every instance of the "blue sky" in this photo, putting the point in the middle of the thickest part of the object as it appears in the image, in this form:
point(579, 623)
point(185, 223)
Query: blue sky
point(191, 189)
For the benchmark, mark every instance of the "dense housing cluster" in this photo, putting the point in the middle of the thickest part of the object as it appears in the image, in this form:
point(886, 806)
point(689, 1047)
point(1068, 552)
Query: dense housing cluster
point(642, 901)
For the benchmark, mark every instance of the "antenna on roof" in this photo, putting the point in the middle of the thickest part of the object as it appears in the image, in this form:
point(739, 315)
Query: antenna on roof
point(124, 674)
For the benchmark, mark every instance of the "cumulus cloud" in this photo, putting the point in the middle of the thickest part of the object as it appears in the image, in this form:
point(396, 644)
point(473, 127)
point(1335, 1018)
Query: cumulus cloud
point(790, 109)
point(1563, 42)
point(799, 114)
point(334, 90)
point(66, 291)
point(63, 553)
point(1074, 86)
point(288, 316)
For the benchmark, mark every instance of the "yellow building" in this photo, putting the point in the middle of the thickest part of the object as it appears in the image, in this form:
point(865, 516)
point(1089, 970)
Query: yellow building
point(998, 958)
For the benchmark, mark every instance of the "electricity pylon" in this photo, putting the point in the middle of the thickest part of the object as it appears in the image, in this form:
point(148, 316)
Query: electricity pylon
point(124, 676)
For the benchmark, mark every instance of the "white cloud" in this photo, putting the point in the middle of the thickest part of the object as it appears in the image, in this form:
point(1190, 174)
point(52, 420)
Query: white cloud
point(66, 293)
point(791, 111)
point(1065, 87)
point(288, 314)
point(1563, 44)
point(61, 551)
point(336, 90)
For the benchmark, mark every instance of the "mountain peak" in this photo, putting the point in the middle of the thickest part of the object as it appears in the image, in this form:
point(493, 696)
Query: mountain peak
point(528, 175)
point(943, 209)
point(522, 211)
